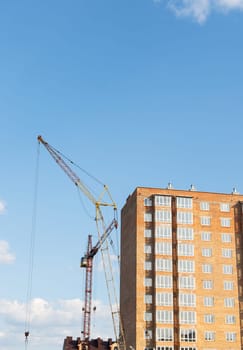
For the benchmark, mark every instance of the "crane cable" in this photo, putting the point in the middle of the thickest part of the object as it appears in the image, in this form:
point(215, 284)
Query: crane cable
point(31, 252)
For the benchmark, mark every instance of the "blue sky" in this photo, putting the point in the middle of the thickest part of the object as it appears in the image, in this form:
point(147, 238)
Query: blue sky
point(139, 93)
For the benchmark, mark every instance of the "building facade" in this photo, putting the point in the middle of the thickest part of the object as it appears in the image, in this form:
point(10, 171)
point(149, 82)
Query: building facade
point(182, 270)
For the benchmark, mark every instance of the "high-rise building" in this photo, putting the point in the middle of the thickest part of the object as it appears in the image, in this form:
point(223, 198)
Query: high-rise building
point(182, 270)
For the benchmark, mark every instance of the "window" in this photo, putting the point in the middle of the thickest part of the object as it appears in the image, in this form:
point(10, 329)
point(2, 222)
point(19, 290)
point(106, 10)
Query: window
point(225, 222)
point(186, 266)
point(209, 336)
point(224, 207)
point(187, 348)
point(206, 236)
point(208, 318)
point(227, 253)
point(148, 217)
point(147, 233)
point(164, 299)
point(230, 336)
point(148, 299)
point(148, 334)
point(188, 335)
point(229, 302)
point(148, 316)
point(207, 268)
point(163, 265)
point(204, 206)
point(164, 316)
point(208, 284)
point(165, 348)
point(207, 252)
point(163, 248)
point(188, 317)
point(148, 282)
point(230, 319)
point(185, 249)
point(164, 334)
point(208, 301)
point(148, 201)
point(227, 269)
point(147, 249)
point(164, 231)
point(226, 237)
point(164, 201)
point(187, 299)
point(163, 216)
point(148, 265)
point(187, 282)
point(185, 233)
point(228, 285)
point(163, 281)
point(184, 217)
point(184, 202)
point(205, 220)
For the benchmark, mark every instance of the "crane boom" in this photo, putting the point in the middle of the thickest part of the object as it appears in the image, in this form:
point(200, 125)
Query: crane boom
point(102, 233)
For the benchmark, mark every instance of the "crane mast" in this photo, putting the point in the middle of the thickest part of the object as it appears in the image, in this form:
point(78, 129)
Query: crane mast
point(102, 245)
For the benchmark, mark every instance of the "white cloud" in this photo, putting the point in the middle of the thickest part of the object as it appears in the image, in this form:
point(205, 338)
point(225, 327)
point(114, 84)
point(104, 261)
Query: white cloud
point(51, 322)
point(6, 257)
point(199, 10)
point(2, 207)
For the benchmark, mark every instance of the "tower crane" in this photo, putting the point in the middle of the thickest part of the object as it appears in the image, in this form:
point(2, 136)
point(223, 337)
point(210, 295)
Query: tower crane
point(102, 244)
point(87, 263)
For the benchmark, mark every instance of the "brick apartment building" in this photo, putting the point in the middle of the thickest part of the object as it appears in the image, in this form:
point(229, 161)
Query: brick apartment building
point(182, 270)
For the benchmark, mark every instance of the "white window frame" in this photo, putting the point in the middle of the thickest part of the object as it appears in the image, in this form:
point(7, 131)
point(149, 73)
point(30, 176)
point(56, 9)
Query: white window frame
point(164, 231)
point(187, 299)
point(228, 285)
point(163, 216)
point(164, 201)
point(185, 233)
point(206, 236)
point(148, 202)
point(188, 335)
point(148, 282)
point(187, 282)
point(207, 268)
point(164, 299)
point(163, 265)
point(164, 334)
point(185, 249)
point(184, 202)
point(163, 248)
point(148, 298)
point(147, 249)
point(208, 301)
point(148, 217)
point(186, 265)
point(230, 319)
point(226, 237)
point(148, 316)
point(228, 269)
point(227, 253)
point(209, 336)
point(207, 252)
point(209, 318)
point(230, 336)
point(185, 217)
point(225, 222)
point(147, 233)
point(207, 284)
point(204, 206)
point(188, 317)
point(164, 316)
point(225, 207)
point(163, 281)
point(205, 220)
point(229, 302)
point(148, 265)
